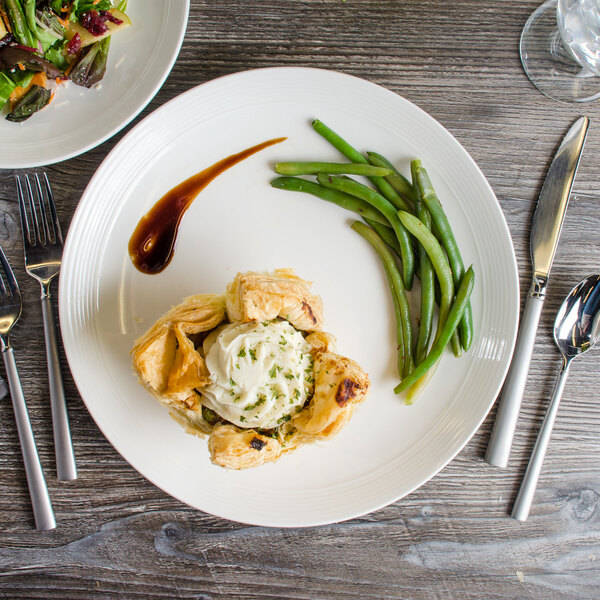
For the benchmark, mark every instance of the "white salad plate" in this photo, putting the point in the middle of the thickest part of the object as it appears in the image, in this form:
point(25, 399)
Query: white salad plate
point(239, 223)
point(78, 119)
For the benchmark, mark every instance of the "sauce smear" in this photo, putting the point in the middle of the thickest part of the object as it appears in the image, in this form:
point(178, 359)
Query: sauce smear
point(153, 241)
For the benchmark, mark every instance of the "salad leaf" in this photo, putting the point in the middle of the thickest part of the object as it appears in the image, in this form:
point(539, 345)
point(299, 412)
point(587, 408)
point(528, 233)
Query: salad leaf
point(7, 85)
point(56, 6)
point(74, 16)
point(91, 67)
point(37, 28)
point(21, 78)
point(35, 99)
point(13, 56)
point(56, 55)
point(49, 23)
point(86, 5)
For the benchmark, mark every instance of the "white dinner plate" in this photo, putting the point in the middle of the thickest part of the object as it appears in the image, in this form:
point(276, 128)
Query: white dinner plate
point(78, 119)
point(240, 223)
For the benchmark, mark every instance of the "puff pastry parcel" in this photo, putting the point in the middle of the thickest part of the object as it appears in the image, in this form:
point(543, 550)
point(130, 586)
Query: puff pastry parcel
point(251, 369)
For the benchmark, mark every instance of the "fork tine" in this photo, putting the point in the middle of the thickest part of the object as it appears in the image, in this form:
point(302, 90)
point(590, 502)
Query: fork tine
point(46, 222)
point(10, 277)
point(38, 230)
point(53, 213)
point(26, 230)
point(3, 290)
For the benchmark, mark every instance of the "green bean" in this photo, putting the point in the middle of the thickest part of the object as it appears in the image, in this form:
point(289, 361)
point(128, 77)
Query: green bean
point(415, 165)
point(18, 23)
point(454, 317)
point(438, 261)
point(349, 186)
point(427, 277)
point(401, 307)
point(385, 233)
point(312, 168)
point(353, 155)
point(402, 185)
point(449, 243)
point(389, 237)
point(296, 184)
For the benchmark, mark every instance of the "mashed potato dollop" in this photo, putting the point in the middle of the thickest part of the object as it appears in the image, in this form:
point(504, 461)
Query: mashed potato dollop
point(261, 373)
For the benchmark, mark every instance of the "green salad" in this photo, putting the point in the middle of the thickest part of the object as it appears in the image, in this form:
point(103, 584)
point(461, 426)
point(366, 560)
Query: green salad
point(46, 42)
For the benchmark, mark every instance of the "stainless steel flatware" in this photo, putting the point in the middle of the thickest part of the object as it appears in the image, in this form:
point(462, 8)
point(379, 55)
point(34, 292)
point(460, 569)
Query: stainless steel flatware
point(545, 233)
point(576, 329)
point(43, 245)
point(10, 311)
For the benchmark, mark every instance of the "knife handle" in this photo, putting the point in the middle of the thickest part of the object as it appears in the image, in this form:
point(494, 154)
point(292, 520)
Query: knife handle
point(501, 439)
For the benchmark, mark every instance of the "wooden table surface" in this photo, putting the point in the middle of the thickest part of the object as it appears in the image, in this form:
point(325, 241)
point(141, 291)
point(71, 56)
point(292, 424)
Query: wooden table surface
point(119, 536)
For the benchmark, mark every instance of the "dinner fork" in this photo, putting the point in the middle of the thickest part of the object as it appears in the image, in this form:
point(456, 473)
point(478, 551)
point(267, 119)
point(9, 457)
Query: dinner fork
point(10, 311)
point(43, 244)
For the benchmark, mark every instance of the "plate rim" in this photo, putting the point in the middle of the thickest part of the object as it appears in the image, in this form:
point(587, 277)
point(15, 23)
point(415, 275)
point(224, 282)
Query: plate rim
point(510, 338)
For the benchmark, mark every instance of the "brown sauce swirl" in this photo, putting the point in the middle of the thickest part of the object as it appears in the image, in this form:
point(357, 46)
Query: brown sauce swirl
point(152, 243)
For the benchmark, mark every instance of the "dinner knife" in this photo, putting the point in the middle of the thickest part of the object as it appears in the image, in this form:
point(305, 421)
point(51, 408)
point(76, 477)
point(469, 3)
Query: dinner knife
point(545, 233)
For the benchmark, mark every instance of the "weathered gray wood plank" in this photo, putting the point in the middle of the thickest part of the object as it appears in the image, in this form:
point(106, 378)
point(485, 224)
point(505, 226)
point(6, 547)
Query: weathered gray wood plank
point(119, 536)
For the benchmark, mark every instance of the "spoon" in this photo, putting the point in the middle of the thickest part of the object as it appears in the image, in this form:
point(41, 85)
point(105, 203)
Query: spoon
point(576, 329)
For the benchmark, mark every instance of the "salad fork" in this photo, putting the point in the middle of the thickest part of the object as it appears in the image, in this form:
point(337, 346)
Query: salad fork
point(43, 244)
point(10, 311)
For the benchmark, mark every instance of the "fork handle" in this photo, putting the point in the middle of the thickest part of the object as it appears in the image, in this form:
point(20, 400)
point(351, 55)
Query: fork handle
point(40, 500)
point(63, 446)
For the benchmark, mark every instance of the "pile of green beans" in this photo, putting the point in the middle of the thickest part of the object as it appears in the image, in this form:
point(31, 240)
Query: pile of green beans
point(406, 225)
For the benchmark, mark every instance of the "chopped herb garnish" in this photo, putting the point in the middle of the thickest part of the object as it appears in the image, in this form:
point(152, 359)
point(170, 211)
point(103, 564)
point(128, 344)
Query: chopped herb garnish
point(273, 371)
point(261, 400)
point(242, 418)
point(297, 394)
point(242, 353)
point(232, 382)
point(284, 419)
point(252, 353)
point(289, 376)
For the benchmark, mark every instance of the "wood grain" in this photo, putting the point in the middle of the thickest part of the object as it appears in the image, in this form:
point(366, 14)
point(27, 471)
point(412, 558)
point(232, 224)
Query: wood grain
point(120, 537)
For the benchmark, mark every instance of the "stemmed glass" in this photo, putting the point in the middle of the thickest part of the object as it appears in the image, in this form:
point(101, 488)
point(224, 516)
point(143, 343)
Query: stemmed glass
point(560, 49)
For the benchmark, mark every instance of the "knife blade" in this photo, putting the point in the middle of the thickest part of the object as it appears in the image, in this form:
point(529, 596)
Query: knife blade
point(545, 233)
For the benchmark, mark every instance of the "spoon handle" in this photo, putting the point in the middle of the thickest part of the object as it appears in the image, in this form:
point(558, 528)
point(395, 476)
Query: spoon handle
point(527, 490)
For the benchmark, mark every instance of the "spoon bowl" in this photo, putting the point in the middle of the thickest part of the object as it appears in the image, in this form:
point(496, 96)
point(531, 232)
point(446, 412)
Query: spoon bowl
point(576, 330)
point(577, 325)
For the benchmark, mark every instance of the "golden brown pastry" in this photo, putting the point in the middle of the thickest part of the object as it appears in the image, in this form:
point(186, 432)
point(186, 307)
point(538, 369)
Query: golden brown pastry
point(236, 448)
point(251, 368)
point(165, 358)
point(339, 382)
point(265, 296)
